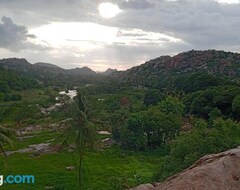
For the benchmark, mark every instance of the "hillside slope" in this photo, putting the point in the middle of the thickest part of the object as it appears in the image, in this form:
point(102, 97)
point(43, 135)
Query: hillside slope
point(166, 71)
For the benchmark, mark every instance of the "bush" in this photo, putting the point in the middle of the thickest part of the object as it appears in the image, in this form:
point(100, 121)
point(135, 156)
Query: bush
point(16, 97)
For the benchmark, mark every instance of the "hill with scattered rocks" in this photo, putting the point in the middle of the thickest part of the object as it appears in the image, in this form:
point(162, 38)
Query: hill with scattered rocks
point(167, 71)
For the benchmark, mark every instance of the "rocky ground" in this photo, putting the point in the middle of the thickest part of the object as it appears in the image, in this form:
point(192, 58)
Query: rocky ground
point(46, 147)
point(212, 172)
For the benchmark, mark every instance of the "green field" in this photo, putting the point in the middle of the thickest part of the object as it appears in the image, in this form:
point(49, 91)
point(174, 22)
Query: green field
point(104, 169)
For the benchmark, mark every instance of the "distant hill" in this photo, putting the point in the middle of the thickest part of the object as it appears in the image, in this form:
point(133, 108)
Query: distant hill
point(82, 71)
point(188, 71)
point(46, 65)
point(109, 71)
point(49, 74)
point(16, 64)
point(185, 69)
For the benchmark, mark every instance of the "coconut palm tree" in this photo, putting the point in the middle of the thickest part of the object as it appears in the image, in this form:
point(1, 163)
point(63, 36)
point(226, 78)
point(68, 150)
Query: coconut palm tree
point(80, 131)
point(4, 138)
point(23, 112)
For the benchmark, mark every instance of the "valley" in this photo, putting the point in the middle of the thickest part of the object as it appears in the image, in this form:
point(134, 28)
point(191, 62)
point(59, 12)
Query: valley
point(78, 129)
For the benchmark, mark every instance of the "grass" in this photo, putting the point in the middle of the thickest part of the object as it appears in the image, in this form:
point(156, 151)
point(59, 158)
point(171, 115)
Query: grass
point(103, 170)
point(31, 96)
point(100, 168)
point(37, 138)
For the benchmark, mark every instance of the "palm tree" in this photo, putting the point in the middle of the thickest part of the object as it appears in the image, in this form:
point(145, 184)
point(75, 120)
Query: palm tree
point(4, 138)
point(80, 131)
point(23, 112)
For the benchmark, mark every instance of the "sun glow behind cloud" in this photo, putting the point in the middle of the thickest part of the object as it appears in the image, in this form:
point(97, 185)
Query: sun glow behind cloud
point(89, 36)
point(108, 10)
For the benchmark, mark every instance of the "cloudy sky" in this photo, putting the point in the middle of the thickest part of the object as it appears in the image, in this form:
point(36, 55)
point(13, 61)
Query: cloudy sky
point(115, 33)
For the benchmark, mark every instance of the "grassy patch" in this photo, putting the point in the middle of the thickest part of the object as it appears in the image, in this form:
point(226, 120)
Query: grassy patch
point(100, 170)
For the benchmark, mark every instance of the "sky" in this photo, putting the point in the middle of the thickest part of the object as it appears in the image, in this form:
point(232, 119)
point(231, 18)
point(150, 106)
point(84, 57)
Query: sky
point(117, 34)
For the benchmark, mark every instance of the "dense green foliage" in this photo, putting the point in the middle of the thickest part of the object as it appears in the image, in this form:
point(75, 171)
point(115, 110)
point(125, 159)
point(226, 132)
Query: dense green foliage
point(153, 97)
point(199, 81)
point(9, 80)
point(201, 103)
point(154, 127)
point(187, 148)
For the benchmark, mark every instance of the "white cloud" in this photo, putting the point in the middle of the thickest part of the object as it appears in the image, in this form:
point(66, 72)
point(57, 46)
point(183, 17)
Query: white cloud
point(84, 37)
point(228, 1)
point(91, 35)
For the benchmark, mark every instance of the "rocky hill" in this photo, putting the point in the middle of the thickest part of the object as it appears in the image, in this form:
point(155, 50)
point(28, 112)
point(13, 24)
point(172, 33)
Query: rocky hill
point(15, 64)
point(212, 172)
point(163, 70)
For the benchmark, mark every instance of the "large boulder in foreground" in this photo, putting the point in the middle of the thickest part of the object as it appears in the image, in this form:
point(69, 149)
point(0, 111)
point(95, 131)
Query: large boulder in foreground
point(212, 172)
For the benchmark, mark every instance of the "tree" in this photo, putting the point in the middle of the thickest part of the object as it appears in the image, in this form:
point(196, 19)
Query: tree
point(171, 105)
point(133, 136)
point(154, 127)
point(4, 87)
point(236, 107)
point(81, 130)
point(160, 127)
point(153, 97)
point(23, 112)
point(118, 121)
point(214, 114)
point(16, 97)
point(198, 81)
point(4, 138)
point(189, 147)
point(202, 104)
point(1, 97)
point(112, 104)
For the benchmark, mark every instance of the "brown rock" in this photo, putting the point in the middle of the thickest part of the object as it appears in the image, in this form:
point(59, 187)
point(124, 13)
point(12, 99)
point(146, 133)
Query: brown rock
point(213, 172)
point(143, 187)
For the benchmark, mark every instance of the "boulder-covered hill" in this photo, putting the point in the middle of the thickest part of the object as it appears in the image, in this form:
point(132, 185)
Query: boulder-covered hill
point(212, 172)
point(166, 69)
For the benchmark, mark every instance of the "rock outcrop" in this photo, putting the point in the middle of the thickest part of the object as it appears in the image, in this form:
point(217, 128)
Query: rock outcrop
point(212, 172)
